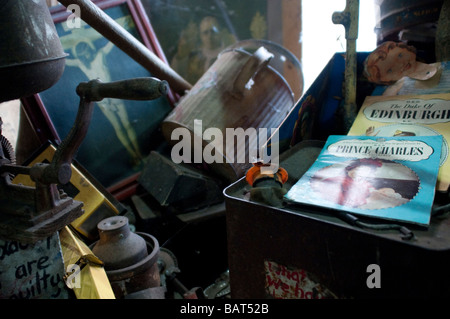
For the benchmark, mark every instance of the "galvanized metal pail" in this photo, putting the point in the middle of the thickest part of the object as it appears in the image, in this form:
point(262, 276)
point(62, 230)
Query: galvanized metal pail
point(239, 91)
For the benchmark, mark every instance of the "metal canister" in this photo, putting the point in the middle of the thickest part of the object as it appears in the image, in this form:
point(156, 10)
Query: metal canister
point(130, 258)
point(241, 90)
point(31, 56)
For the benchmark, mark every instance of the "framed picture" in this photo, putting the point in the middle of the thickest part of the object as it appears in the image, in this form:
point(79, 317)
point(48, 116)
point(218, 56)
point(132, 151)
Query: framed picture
point(122, 132)
point(192, 33)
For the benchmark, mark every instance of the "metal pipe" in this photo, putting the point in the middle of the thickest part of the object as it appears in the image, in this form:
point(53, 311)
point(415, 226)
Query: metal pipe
point(110, 29)
point(349, 19)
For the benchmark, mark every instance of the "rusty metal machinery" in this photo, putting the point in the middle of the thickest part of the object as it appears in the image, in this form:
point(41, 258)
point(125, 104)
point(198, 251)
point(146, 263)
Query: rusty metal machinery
point(29, 213)
point(130, 258)
point(31, 61)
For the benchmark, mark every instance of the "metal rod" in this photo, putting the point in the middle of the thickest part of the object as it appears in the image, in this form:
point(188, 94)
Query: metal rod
point(110, 29)
point(349, 19)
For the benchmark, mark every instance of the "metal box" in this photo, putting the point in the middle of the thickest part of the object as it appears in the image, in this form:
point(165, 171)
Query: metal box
point(307, 252)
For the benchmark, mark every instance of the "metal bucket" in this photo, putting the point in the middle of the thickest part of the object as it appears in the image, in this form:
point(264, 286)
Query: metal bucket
point(31, 55)
point(240, 90)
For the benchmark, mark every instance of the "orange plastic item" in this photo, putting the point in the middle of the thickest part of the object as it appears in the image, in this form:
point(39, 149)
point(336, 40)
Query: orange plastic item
point(254, 173)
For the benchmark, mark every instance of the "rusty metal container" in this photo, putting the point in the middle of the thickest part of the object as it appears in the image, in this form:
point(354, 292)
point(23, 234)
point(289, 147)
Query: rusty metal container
point(130, 259)
point(240, 90)
point(308, 252)
point(31, 55)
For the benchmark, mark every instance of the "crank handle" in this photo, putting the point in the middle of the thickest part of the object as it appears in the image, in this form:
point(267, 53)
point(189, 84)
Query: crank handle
point(59, 170)
point(147, 88)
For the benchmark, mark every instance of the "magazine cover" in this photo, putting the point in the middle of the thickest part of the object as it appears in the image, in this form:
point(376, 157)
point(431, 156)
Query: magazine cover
point(408, 115)
point(385, 177)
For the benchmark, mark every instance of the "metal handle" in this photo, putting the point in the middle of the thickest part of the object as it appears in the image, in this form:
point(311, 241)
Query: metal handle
point(133, 89)
point(110, 29)
point(59, 170)
point(256, 62)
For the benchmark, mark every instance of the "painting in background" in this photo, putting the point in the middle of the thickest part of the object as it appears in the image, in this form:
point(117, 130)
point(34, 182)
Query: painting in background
point(122, 132)
point(192, 33)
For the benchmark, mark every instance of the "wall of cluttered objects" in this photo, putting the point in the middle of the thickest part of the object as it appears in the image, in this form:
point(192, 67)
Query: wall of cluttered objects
point(222, 150)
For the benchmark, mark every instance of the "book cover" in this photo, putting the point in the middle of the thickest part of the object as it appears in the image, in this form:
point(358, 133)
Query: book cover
point(383, 177)
point(413, 115)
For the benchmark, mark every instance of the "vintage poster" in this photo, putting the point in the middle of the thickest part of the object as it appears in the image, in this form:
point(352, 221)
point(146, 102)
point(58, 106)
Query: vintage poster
point(122, 132)
point(383, 177)
point(193, 33)
point(408, 115)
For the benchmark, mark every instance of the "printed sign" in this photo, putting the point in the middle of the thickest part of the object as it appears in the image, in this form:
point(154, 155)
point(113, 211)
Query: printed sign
point(289, 283)
point(32, 271)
